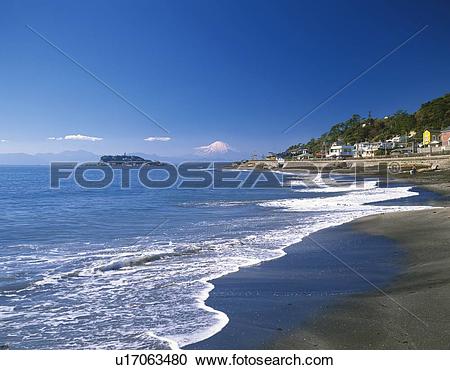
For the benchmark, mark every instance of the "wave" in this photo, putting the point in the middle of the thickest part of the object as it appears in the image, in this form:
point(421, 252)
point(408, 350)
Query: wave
point(216, 204)
point(144, 259)
point(350, 206)
point(14, 286)
point(358, 199)
point(354, 186)
point(6, 312)
point(154, 292)
point(173, 345)
point(115, 265)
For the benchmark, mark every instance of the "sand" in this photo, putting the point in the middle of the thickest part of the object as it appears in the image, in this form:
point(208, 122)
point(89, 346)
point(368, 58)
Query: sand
point(413, 311)
point(274, 298)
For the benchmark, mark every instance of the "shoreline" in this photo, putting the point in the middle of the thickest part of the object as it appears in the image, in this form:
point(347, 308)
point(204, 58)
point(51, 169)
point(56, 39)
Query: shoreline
point(412, 312)
point(263, 301)
point(292, 338)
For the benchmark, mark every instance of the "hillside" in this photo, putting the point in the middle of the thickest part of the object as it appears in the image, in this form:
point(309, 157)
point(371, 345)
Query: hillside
point(434, 114)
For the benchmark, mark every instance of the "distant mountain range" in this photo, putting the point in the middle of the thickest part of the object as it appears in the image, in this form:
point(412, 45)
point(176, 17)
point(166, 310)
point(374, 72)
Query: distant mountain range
point(19, 159)
point(46, 158)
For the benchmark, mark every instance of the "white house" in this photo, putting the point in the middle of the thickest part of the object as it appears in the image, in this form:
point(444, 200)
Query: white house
point(340, 151)
point(399, 141)
point(366, 149)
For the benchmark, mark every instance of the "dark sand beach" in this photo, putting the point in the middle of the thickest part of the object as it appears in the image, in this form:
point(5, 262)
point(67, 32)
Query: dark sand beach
point(436, 181)
point(269, 301)
point(309, 300)
point(413, 312)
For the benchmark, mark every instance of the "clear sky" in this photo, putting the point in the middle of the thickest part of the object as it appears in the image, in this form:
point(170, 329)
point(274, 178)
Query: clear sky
point(206, 70)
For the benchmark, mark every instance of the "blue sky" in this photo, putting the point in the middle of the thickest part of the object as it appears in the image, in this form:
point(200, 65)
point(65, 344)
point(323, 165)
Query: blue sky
point(235, 71)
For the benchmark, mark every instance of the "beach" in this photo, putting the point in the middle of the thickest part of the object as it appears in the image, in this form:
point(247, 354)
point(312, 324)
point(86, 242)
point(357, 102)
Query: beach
point(391, 294)
point(436, 181)
point(252, 256)
point(411, 312)
point(272, 300)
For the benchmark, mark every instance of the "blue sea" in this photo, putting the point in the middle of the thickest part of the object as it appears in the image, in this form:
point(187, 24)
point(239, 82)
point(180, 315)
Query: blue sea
point(131, 268)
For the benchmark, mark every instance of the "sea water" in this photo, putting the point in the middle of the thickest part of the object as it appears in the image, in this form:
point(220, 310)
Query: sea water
point(131, 268)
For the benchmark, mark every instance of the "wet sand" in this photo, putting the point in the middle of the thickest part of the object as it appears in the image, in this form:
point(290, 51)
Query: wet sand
point(436, 181)
point(410, 313)
point(306, 301)
point(271, 300)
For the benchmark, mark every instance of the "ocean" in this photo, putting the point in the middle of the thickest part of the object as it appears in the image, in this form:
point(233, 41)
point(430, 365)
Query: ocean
point(131, 268)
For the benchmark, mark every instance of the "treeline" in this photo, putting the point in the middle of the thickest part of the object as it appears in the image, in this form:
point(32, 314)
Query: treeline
point(434, 114)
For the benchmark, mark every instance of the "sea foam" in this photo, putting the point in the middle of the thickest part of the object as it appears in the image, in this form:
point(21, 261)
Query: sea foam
point(151, 292)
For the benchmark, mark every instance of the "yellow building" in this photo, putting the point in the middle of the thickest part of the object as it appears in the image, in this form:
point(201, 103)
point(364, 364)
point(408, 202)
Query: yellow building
point(432, 137)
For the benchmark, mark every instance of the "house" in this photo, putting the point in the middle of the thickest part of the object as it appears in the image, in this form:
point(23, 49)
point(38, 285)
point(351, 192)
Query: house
point(299, 151)
point(340, 151)
point(387, 145)
point(399, 141)
point(445, 138)
point(366, 149)
point(431, 138)
point(280, 161)
point(304, 151)
point(304, 156)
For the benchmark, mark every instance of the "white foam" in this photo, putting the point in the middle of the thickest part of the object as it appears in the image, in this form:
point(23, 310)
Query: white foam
point(220, 317)
point(349, 207)
point(171, 343)
point(7, 312)
point(160, 302)
point(354, 186)
point(357, 199)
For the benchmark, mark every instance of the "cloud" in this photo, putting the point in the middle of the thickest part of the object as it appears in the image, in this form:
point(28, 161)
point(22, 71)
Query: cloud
point(55, 138)
point(82, 138)
point(215, 147)
point(158, 138)
point(3, 141)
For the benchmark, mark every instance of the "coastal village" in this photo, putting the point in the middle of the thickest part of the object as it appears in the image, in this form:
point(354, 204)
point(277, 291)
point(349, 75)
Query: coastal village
point(418, 142)
point(425, 132)
point(431, 142)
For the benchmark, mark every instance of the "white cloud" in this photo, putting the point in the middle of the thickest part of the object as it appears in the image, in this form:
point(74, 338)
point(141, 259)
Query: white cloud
point(3, 141)
point(54, 138)
point(215, 147)
point(158, 138)
point(82, 137)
